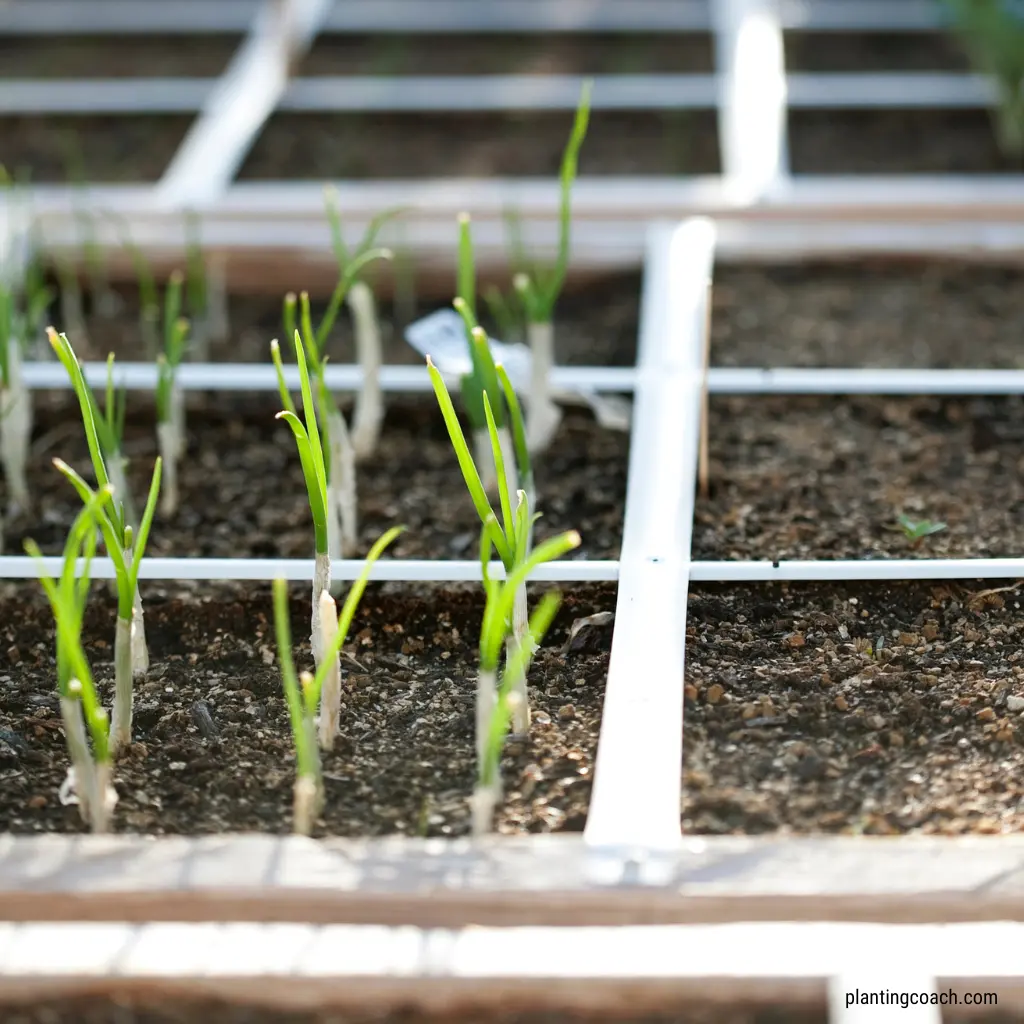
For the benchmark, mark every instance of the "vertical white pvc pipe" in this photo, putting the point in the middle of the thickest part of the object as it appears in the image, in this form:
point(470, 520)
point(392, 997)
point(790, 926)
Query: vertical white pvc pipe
point(637, 783)
point(752, 95)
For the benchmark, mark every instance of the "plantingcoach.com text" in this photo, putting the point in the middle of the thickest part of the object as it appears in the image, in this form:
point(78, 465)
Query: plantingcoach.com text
point(891, 997)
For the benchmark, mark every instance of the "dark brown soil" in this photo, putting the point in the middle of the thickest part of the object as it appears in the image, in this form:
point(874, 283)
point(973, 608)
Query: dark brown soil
point(817, 477)
point(595, 325)
point(895, 142)
point(101, 1011)
point(103, 149)
point(404, 762)
point(242, 491)
point(530, 144)
point(116, 57)
point(873, 51)
point(794, 725)
point(898, 314)
point(553, 54)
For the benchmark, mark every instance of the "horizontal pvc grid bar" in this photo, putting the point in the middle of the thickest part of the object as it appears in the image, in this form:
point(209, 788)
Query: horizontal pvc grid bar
point(21, 567)
point(461, 93)
point(414, 379)
point(69, 17)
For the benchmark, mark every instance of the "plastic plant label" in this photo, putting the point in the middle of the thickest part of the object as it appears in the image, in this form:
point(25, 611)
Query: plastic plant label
point(442, 336)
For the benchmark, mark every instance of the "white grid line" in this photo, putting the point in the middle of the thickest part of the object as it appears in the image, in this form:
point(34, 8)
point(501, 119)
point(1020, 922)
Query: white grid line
point(640, 744)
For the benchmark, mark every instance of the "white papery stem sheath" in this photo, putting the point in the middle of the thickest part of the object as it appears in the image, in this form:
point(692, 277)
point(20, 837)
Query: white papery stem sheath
point(321, 585)
point(121, 719)
point(486, 701)
point(218, 325)
point(167, 440)
point(140, 652)
point(88, 781)
point(15, 428)
point(115, 463)
point(369, 411)
point(305, 805)
point(542, 414)
point(341, 489)
point(330, 695)
point(482, 804)
point(520, 635)
point(177, 410)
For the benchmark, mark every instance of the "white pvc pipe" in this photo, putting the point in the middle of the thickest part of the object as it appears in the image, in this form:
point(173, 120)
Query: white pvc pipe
point(843, 570)
point(637, 777)
point(752, 96)
point(459, 93)
point(189, 17)
point(799, 381)
point(262, 377)
point(301, 569)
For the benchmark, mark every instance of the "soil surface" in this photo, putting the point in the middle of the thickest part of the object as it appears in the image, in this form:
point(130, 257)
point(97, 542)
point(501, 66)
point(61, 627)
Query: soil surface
point(552, 54)
point(815, 477)
point(530, 144)
point(874, 51)
point(897, 313)
point(856, 708)
point(895, 142)
point(243, 494)
point(118, 149)
point(116, 57)
point(214, 752)
point(102, 1011)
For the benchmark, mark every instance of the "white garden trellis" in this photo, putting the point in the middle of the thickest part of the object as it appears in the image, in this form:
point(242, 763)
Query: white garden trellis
point(633, 833)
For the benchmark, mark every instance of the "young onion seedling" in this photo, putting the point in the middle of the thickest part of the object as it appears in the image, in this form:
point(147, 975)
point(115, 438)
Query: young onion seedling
point(993, 35)
point(89, 778)
point(356, 293)
point(205, 292)
point(310, 446)
point(15, 397)
point(512, 539)
point(539, 288)
point(305, 693)
point(124, 547)
point(170, 402)
point(482, 379)
point(496, 701)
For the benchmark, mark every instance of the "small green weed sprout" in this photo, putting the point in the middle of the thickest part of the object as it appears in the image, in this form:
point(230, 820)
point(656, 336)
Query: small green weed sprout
point(992, 32)
point(310, 446)
point(124, 546)
point(305, 693)
point(357, 294)
point(496, 701)
point(170, 402)
point(915, 530)
point(539, 289)
point(511, 536)
point(89, 779)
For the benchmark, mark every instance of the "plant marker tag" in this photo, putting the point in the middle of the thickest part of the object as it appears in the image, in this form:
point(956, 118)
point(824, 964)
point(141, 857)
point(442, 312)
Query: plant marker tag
point(442, 336)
